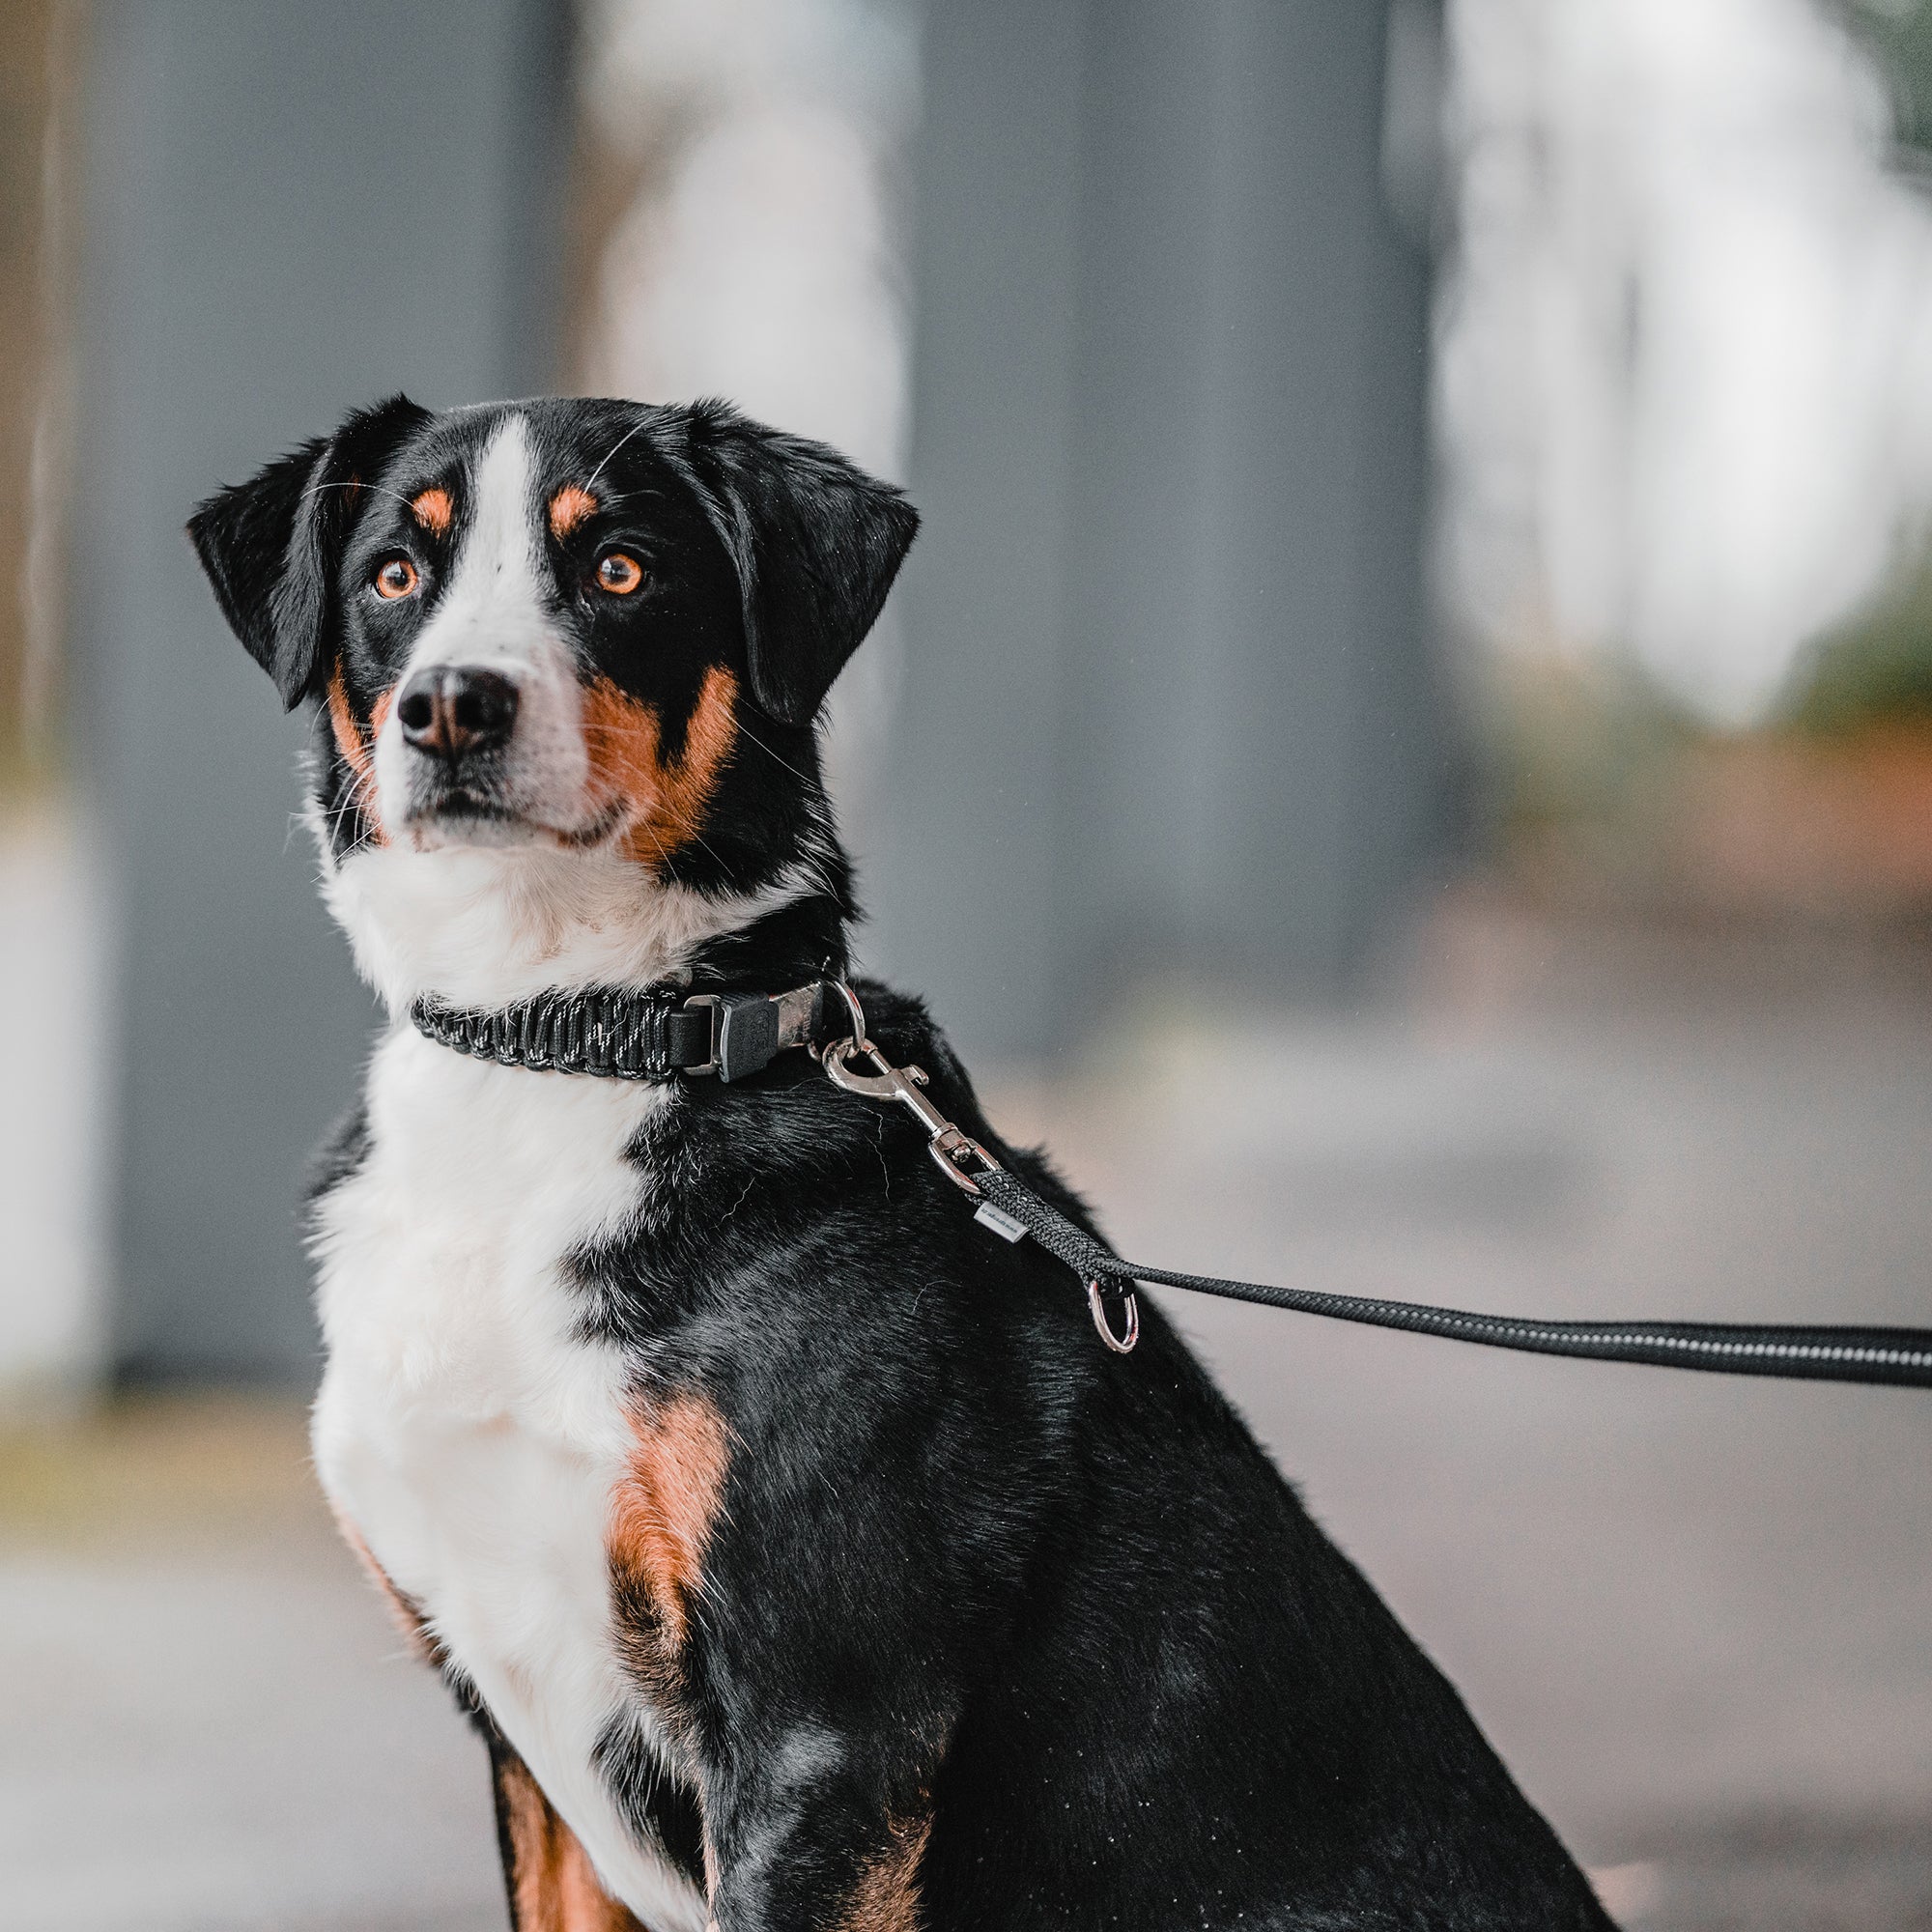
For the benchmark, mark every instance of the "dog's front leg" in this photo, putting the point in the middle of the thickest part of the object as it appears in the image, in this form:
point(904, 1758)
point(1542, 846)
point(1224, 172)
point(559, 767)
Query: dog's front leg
point(809, 1839)
point(549, 1879)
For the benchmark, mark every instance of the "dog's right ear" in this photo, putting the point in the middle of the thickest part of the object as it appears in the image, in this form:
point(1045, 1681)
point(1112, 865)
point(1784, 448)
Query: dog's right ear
point(272, 546)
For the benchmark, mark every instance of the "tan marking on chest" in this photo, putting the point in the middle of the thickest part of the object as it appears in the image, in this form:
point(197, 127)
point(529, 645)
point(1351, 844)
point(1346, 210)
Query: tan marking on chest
point(886, 1898)
point(554, 1887)
point(667, 798)
point(404, 1608)
point(663, 1507)
point(355, 748)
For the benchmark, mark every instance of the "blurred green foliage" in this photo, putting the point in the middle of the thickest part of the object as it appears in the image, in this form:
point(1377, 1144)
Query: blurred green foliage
point(1875, 668)
point(1899, 33)
point(1586, 740)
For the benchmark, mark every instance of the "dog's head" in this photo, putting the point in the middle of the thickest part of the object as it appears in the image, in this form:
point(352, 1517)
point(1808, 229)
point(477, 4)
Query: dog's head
point(571, 650)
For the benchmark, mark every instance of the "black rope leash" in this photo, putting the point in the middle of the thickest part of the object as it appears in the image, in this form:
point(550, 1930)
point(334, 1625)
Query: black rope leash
point(1901, 1357)
point(663, 1033)
point(1898, 1356)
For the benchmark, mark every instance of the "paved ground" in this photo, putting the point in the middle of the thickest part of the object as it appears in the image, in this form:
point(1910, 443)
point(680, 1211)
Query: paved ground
point(1693, 1613)
point(209, 1723)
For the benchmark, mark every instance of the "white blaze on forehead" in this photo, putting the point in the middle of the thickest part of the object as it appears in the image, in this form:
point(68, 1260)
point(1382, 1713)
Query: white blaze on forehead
point(492, 614)
point(492, 611)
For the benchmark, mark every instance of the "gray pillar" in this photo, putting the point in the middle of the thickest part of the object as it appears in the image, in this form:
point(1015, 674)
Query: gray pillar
point(1169, 702)
point(962, 861)
point(294, 209)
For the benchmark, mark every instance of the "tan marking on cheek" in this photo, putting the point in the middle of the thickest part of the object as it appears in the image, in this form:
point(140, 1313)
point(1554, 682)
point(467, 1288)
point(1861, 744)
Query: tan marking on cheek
point(666, 799)
point(355, 748)
point(570, 507)
point(434, 511)
point(553, 1888)
point(662, 1507)
point(886, 1898)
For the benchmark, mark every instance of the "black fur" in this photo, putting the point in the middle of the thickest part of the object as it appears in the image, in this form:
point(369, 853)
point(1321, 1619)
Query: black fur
point(972, 1576)
point(815, 546)
point(1062, 1591)
point(272, 546)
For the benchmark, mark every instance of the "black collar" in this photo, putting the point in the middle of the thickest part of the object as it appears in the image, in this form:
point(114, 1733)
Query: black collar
point(638, 1033)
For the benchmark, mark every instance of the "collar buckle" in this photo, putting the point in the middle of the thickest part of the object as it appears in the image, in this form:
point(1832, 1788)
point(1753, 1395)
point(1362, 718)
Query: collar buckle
point(748, 1031)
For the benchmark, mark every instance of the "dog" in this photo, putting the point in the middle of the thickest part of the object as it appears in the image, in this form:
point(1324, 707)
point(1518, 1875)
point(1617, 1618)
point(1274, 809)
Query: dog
point(802, 1556)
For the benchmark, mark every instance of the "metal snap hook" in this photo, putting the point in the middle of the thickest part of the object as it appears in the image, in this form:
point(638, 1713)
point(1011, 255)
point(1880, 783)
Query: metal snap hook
point(957, 1155)
point(1096, 1303)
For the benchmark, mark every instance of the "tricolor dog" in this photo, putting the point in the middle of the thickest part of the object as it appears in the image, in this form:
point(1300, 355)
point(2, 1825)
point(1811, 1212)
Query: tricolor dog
point(802, 1556)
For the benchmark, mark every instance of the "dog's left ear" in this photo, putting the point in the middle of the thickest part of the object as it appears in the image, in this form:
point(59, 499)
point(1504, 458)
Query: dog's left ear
point(816, 543)
point(272, 546)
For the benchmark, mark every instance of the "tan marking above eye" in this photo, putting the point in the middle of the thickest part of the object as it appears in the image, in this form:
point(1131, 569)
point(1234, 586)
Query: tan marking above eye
point(571, 506)
point(434, 511)
point(395, 579)
point(620, 573)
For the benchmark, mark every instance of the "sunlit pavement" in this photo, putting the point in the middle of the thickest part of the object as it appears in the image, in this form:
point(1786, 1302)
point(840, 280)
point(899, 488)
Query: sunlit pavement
point(1692, 1611)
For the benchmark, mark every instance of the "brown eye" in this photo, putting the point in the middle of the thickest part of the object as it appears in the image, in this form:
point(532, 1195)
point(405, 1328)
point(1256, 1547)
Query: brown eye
point(396, 578)
point(619, 574)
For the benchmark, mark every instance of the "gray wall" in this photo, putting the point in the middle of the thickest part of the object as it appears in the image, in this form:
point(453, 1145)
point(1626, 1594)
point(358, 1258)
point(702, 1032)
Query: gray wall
point(293, 209)
point(1169, 701)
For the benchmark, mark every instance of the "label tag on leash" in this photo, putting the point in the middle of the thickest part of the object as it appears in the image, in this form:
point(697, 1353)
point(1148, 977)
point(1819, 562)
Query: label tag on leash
point(1001, 1223)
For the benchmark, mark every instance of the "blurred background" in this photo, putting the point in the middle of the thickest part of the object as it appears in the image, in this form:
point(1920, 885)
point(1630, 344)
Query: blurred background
point(1405, 751)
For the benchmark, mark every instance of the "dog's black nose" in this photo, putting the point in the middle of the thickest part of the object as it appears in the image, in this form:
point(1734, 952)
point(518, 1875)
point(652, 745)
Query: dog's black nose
point(449, 710)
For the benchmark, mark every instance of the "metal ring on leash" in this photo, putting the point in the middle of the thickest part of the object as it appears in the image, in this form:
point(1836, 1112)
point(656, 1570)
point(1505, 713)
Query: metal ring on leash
point(860, 1043)
point(1120, 1345)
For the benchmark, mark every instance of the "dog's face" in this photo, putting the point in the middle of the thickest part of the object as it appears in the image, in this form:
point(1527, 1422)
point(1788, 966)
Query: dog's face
point(592, 630)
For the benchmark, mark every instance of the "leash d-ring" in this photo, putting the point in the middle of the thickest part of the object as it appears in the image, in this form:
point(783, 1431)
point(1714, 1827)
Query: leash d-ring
point(1122, 1345)
point(860, 1043)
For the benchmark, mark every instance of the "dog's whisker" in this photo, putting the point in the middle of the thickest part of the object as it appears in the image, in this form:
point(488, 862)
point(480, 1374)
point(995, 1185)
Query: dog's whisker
point(373, 489)
point(767, 749)
point(640, 424)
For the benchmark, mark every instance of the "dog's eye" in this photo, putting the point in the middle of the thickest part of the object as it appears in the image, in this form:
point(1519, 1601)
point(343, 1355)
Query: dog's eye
point(395, 579)
point(619, 573)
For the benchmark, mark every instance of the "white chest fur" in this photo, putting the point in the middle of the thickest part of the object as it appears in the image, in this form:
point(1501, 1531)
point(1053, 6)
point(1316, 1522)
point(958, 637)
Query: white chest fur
point(464, 1431)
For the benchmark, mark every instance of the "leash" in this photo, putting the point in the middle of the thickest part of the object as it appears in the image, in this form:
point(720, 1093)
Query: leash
point(661, 1032)
point(1900, 1356)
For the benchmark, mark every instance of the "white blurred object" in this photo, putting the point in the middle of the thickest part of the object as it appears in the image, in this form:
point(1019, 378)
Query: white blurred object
point(1684, 377)
point(761, 258)
point(759, 275)
point(52, 1257)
